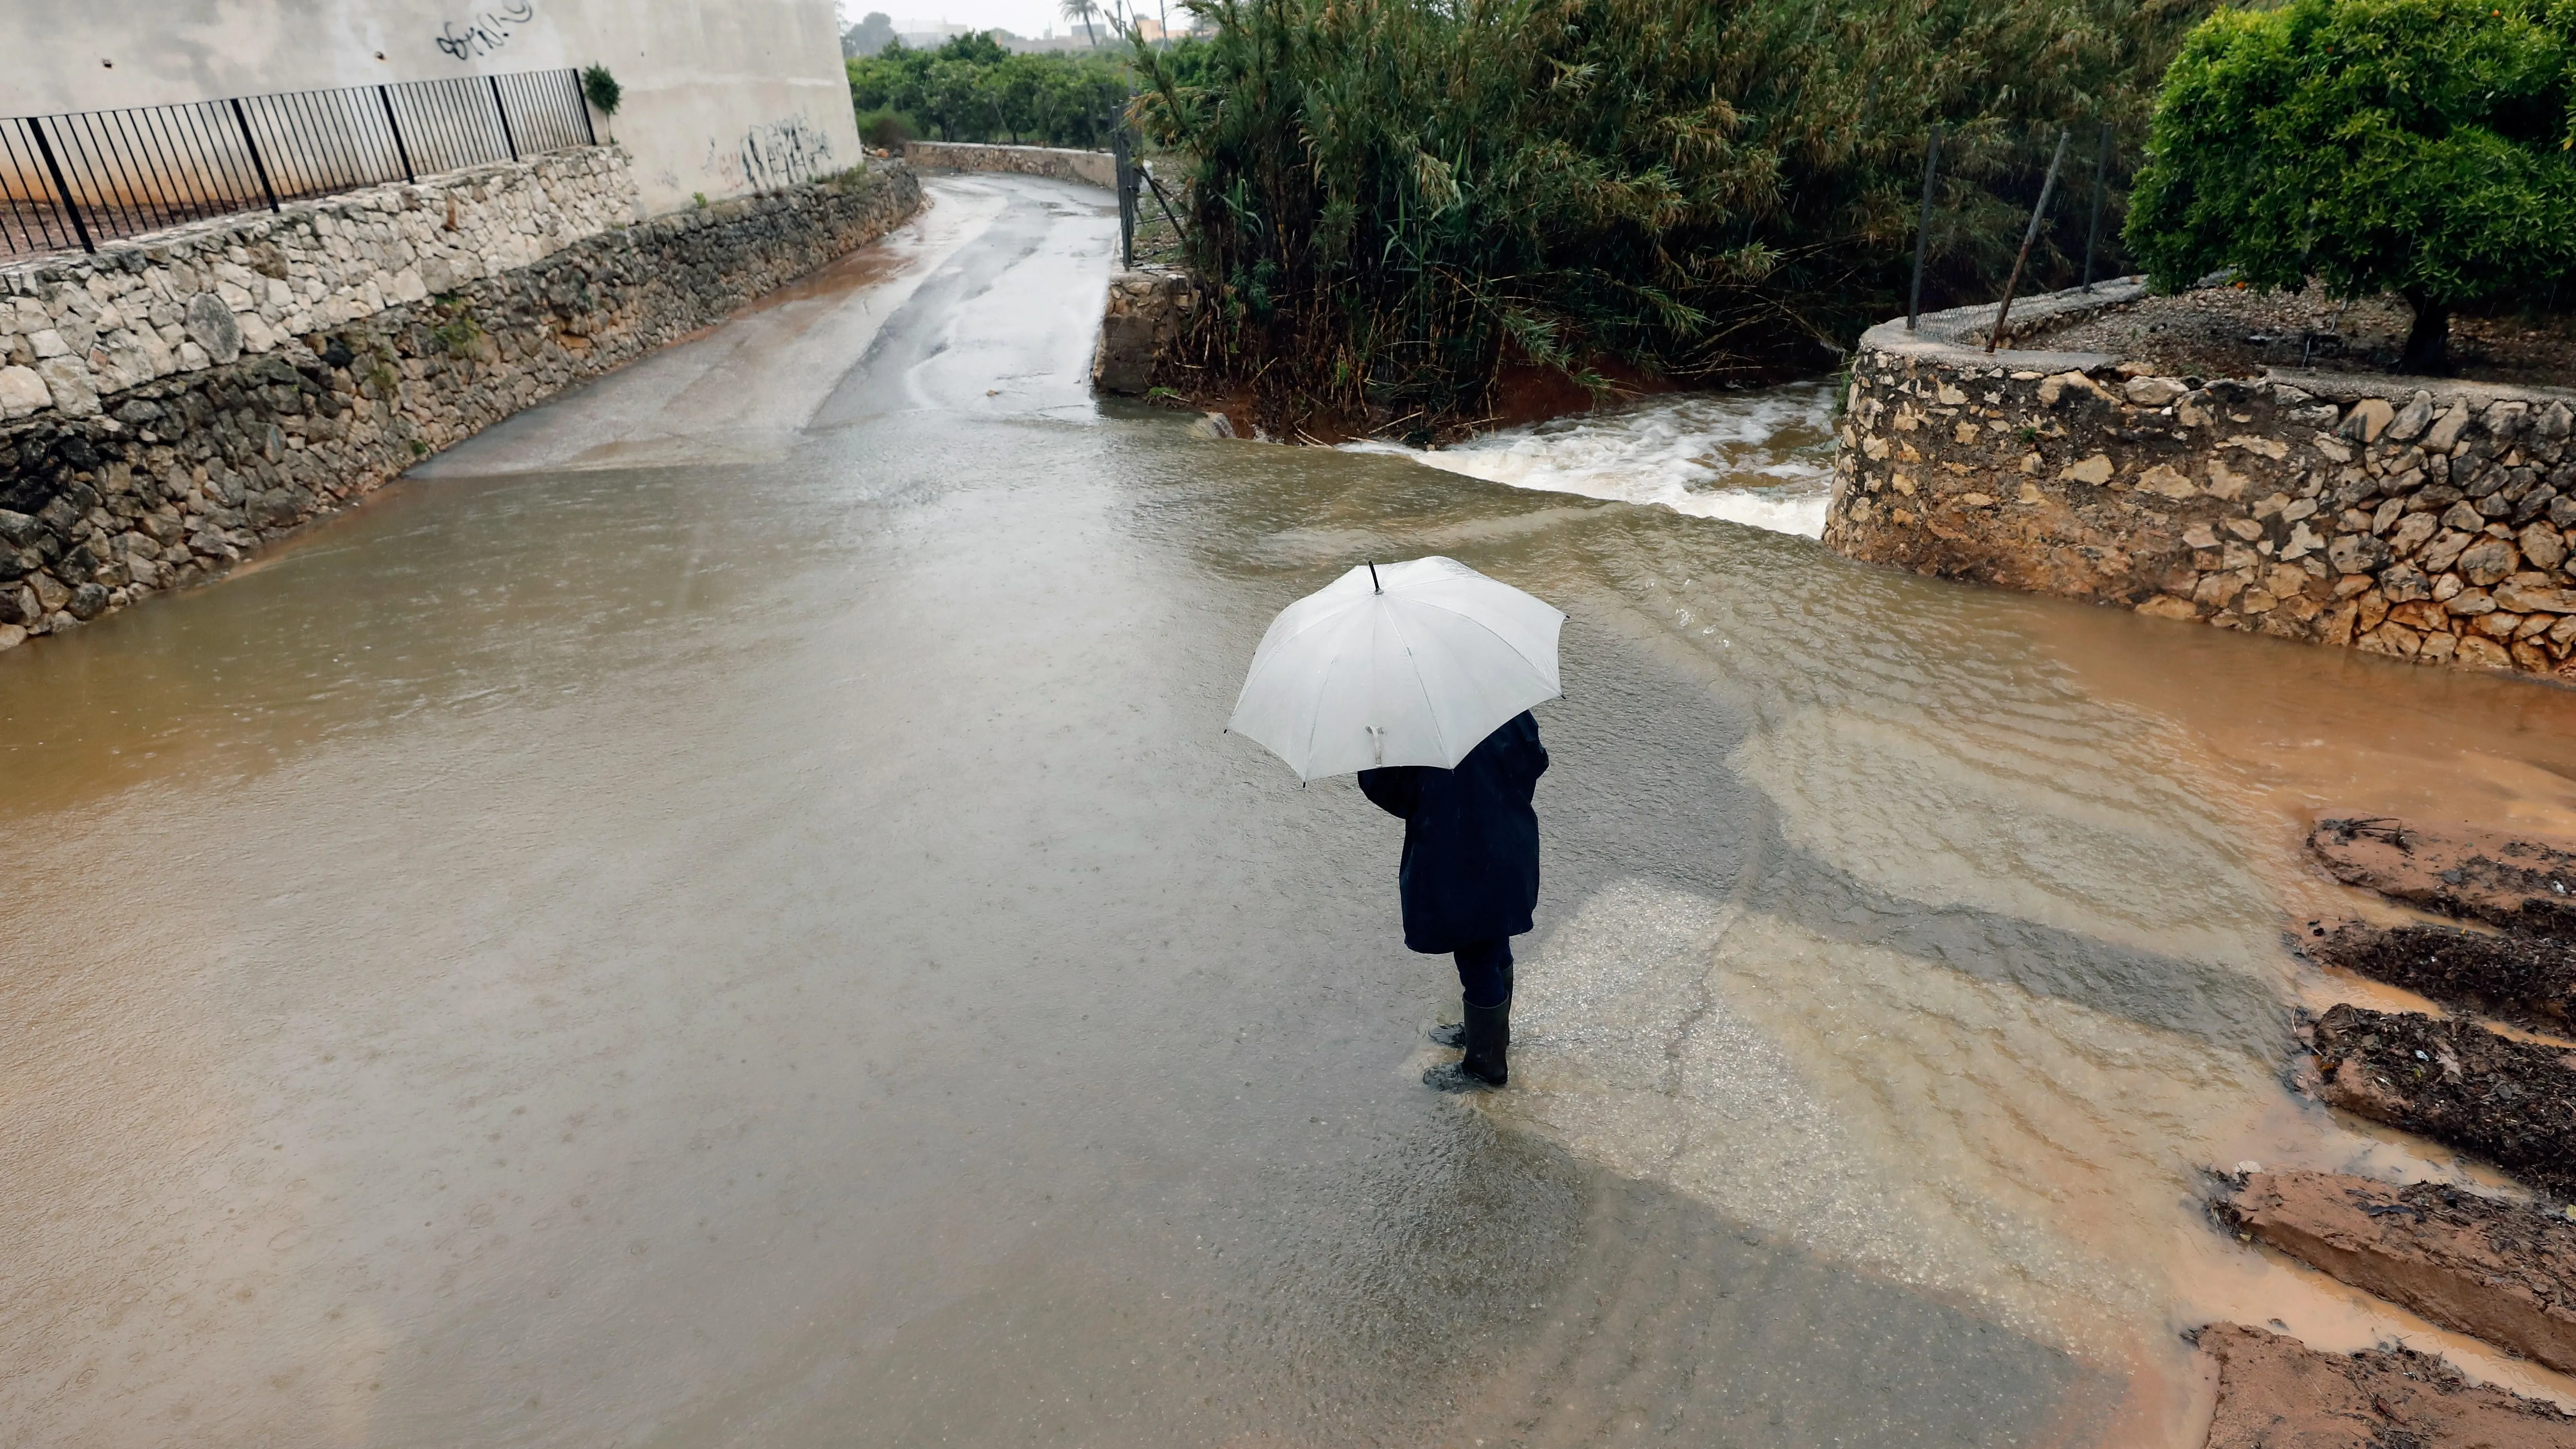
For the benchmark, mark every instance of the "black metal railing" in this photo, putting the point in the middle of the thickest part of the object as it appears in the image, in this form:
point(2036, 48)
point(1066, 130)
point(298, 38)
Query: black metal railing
point(80, 179)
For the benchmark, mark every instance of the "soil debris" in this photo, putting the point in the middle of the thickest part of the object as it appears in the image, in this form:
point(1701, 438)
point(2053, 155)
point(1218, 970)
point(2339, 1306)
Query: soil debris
point(2494, 1270)
point(2231, 331)
point(2529, 982)
point(2275, 1392)
point(2513, 1102)
point(2518, 885)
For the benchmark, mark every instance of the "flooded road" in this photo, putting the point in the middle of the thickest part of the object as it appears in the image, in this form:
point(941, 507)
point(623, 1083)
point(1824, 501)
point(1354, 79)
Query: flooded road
point(721, 913)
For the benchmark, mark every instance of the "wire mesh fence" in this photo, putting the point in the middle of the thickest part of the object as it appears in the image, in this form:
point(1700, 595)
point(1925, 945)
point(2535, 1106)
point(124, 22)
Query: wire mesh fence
point(2019, 211)
point(87, 177)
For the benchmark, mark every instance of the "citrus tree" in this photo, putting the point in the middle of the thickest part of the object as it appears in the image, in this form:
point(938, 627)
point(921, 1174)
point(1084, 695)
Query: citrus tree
point(2421, 147)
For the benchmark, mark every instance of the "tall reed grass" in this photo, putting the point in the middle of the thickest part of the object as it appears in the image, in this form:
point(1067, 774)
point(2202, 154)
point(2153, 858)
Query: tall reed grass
point(1399, 199)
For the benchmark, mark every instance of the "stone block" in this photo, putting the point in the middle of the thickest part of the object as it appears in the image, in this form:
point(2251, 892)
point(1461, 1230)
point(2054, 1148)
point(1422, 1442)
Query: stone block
point(2491, 1269)
point(2534, 596)
point(2274, 1392)
point(2411, 421)
point(2488, 561)
point(2542, 546)
point(2445, 433)
point(22, 391)
point(2368, 419)
point(2095, 470)
point(67, 381)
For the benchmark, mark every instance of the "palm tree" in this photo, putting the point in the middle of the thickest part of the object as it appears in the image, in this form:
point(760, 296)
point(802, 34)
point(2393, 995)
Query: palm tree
point(1083, 10)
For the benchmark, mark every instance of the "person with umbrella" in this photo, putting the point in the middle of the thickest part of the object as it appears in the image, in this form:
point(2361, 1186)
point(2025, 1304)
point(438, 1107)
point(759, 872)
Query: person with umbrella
point(1468, 880)
point(1420, 677)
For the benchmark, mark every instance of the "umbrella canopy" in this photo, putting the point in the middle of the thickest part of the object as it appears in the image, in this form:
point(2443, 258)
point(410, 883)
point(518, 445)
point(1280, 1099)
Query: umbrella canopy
point(1397, 664)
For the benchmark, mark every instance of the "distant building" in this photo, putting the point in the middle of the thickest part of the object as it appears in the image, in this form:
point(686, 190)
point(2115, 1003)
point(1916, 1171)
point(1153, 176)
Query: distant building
point(722, 97)
point(933, 37)
point(1044, 44)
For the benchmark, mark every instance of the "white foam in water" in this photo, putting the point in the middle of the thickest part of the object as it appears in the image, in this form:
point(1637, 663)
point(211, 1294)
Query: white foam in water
point(1763, 458)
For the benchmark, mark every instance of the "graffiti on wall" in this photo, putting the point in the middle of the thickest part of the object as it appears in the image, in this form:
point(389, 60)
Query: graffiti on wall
point(778, 153)
point(485, 31)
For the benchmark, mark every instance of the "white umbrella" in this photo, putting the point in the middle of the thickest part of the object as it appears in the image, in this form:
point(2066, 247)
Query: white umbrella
point(1397, 664)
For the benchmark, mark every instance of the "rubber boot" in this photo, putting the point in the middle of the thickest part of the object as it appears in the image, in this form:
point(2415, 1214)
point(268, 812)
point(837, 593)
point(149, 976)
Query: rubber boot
point(1488, 1032)
point(1453, 1034)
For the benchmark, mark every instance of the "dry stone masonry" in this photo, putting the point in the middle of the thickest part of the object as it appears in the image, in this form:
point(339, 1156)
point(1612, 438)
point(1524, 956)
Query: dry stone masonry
point(1144, 312)
point(2430, 523)
point(203, 295)
point(169, 406)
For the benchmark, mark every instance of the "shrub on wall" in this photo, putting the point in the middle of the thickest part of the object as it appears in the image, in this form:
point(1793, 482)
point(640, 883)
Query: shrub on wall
point(2413, 146)
point(601, 90)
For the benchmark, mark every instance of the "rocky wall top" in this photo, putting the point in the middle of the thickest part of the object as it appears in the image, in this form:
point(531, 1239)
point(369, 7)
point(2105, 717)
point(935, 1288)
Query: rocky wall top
point(74, 329)
point(2429, 520)
point(1098, 168)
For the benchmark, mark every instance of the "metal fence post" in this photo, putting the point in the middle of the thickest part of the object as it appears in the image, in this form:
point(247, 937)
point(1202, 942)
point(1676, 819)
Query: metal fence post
point(1125, 173)
point(503, 112)
point(2038, 213)
point(62, 188)
point(401, 152)
point(2101, 181)
point(256, 164)
point(1923, 227)
point(581, 98)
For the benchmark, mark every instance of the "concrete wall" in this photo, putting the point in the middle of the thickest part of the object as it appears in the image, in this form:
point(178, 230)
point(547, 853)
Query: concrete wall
point(723, 97)
point(107, 499)
point(1096, 167)
point(2426, 521)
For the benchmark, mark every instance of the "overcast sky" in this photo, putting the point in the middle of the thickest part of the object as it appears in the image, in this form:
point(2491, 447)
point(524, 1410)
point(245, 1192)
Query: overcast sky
point(1020, 17)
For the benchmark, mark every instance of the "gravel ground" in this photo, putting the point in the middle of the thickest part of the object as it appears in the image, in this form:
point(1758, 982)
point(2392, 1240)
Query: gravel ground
point(2237, 332)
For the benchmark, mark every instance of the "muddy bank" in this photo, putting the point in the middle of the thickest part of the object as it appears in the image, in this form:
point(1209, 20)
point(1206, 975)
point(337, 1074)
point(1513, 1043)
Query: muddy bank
point(2512, 1102)
point(2531, 983)
point(2277, 1393)
point(2497, 1271)
point(2519, 885)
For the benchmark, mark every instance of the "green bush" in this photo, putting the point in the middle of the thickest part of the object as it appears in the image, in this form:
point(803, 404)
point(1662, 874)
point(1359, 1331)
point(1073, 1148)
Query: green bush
point(601, 90)
point(884, 129)
point(1399, 199)
point(2410, 146)
point(971, 89)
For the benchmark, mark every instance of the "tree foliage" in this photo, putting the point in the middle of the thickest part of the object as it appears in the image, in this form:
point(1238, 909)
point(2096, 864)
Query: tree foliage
point(1398, 197)
point(971, 89)
point(873, 33)
point(2414, 146)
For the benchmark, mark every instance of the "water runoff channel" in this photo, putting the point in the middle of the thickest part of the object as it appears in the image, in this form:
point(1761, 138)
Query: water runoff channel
point(720, 913)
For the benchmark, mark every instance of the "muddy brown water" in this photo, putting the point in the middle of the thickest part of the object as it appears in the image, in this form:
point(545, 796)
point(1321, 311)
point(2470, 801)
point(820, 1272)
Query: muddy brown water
point(721, 913)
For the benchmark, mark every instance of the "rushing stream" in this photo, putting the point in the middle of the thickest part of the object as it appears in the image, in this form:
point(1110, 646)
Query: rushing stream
point(721, 913)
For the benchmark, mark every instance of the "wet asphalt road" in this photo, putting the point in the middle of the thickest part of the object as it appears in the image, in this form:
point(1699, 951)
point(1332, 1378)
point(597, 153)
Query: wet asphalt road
point(721, 913)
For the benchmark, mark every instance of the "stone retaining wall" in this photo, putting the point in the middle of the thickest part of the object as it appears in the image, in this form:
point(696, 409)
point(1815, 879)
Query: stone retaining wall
point(322, 353)
point(2424, 520)
point(1095, 167)
point(75, 328)
point(1143, 313)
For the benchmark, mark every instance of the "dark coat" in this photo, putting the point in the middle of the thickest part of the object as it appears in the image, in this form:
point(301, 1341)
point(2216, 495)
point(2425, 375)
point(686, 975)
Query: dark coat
point(1470, 870)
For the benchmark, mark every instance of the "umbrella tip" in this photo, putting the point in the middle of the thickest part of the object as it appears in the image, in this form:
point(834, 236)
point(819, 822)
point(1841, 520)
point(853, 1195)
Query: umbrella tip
point(1374, 586)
